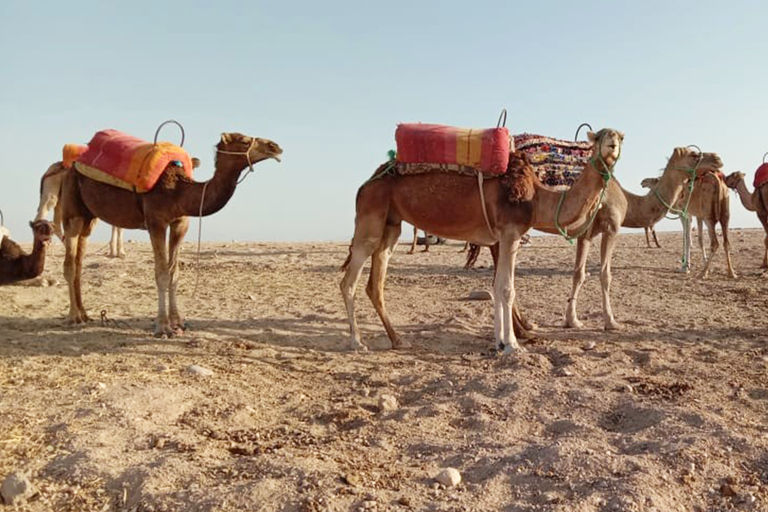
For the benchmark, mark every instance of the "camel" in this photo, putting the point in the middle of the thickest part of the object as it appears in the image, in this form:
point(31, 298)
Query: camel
point(709, 203)
point(448, 205)
point(50, 186)
point(622, 208)
point(15, 264)
point(169, 204)
point(755, 202)
point(416, 239)
point(650, 183)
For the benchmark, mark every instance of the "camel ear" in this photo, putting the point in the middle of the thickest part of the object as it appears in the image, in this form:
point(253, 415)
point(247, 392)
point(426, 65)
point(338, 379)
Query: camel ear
point(226, 138)
point(679, 152)
point(195, 163)
point(591, 136)
point(621, 135)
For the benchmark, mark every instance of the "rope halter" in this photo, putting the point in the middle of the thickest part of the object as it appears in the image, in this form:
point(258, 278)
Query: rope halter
point(691, 180)
point(247, 156)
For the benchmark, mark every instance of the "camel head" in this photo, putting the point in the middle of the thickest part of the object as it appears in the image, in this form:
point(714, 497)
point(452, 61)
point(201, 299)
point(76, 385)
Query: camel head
point(733, 179)
point(650, 183)
point(685, 160)
point(42, 230)
point(255, 148)
point(606, 145)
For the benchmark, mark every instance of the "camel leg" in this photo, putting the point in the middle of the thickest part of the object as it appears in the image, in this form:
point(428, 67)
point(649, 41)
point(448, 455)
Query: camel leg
point(655, 240)
point(713, 244)
point(368, 233)
point(377, 278)
point(157, 235)
point(579, 276)
point(607, 244)
point(70, 270)
point(504, 296)
point(49, 198)
point(466, 245)
point(116, 248)
point(178, 232)
point(700, 224)
point(647, 239)
point(415, 239)
point(426, 242)
point(686, 262)
point(727, 247)
point(764, 221)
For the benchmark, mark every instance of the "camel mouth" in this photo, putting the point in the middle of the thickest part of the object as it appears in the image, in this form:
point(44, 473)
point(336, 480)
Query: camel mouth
point(276, 157)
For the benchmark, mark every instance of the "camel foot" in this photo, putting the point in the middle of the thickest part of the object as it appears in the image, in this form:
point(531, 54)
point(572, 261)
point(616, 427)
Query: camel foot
point(425, 250)
point(409, 252)
point(733, 275)
point(573, 323)
point(399, 344)
point(78, 318)
point(356, 344)
point(683, 270)
point(164, 330)
point(703, 275)
point(512, 349)
point(613, 325)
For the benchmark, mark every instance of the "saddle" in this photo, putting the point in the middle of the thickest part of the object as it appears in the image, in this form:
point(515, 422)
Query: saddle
point(125, 161)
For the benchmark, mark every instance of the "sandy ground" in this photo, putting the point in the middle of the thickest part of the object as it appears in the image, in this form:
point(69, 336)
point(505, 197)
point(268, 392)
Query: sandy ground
point(669, 414)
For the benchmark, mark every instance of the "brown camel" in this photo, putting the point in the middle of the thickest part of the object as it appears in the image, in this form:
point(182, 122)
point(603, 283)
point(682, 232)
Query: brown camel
point(50, 189)
point(757, 202)
point(169, 204)
point(15, 264)
point(622, 208)
point(449, 205)
point(650, 183)
point(709, 203)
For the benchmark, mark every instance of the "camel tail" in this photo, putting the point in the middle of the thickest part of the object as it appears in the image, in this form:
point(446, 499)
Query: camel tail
point(345, 265)
point(472, 254)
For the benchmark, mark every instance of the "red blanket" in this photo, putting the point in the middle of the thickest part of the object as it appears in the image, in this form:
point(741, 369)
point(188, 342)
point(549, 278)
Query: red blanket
point(123, 160)
point(761, 175)
point(486, 150)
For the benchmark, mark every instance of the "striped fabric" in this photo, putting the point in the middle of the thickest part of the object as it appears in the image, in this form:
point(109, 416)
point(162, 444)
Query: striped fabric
point(486, 150)
point(557, 163)
point(119, 159)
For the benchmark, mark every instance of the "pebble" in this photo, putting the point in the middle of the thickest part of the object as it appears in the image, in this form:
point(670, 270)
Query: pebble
point(590, 346)
point(16, 488)
point(200, 371)
point(565, 372)
point(387, 403)
point(480, 295)
point(449, 477)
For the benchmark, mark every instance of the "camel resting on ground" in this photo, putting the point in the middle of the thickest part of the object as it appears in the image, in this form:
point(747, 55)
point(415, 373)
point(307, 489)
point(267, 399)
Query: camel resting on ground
point(173, 199)
point(756, 201)
point(449, 205)
point(15, 264)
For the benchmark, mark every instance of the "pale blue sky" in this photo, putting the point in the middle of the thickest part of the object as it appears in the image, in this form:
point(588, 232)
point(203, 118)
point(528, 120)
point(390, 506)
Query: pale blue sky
point(330, 80)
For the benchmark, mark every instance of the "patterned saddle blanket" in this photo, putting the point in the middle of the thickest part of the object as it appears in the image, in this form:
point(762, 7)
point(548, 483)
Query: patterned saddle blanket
point(557, 163)
point(125, 161)
point(421, 147)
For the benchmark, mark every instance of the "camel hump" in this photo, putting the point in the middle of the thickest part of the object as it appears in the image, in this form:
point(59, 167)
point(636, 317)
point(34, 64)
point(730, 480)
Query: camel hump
point(520, 179)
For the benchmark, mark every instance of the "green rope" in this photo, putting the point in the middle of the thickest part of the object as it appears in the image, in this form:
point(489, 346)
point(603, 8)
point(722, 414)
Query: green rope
point(607, 176)
point(390, 168)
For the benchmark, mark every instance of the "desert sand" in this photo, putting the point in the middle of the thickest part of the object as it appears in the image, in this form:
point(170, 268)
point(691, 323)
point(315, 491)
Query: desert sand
point(668, 414)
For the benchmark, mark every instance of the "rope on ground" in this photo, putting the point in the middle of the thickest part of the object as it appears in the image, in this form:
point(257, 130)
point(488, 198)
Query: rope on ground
point(106, 321)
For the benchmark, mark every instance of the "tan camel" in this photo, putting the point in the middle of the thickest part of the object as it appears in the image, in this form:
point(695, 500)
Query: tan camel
point(650, 183)
point(624, 209)
point(709, 203)
point(50, 188)
point(416, 239)
point(169, 204)
point(756, 201)
point(449, 205)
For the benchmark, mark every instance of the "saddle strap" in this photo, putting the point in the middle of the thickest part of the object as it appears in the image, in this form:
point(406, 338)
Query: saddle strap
point(482, 203)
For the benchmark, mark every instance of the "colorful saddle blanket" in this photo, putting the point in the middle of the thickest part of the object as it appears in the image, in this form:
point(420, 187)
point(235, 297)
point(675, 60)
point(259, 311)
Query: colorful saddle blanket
point(761, 175)
point(70, 153)
point(486, 150)
point(119, 159)
point(557, 163)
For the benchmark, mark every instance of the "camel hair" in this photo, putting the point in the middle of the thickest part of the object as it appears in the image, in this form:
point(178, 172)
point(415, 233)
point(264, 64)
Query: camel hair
point(709, 203)
point(448, 205)
point(650, 183)
point(50, 188)
point(15, 264)
point(756, 201)
point(622, 208)
point(169, 204)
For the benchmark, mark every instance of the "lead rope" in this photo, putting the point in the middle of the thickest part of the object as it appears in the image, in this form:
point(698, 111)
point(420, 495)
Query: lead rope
point(202, 201)
point(482, 203)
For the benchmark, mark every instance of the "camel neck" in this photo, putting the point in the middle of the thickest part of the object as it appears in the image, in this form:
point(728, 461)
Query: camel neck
point(645, 211)
point(34, 263)
point(207, 198)
point(745, 195)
